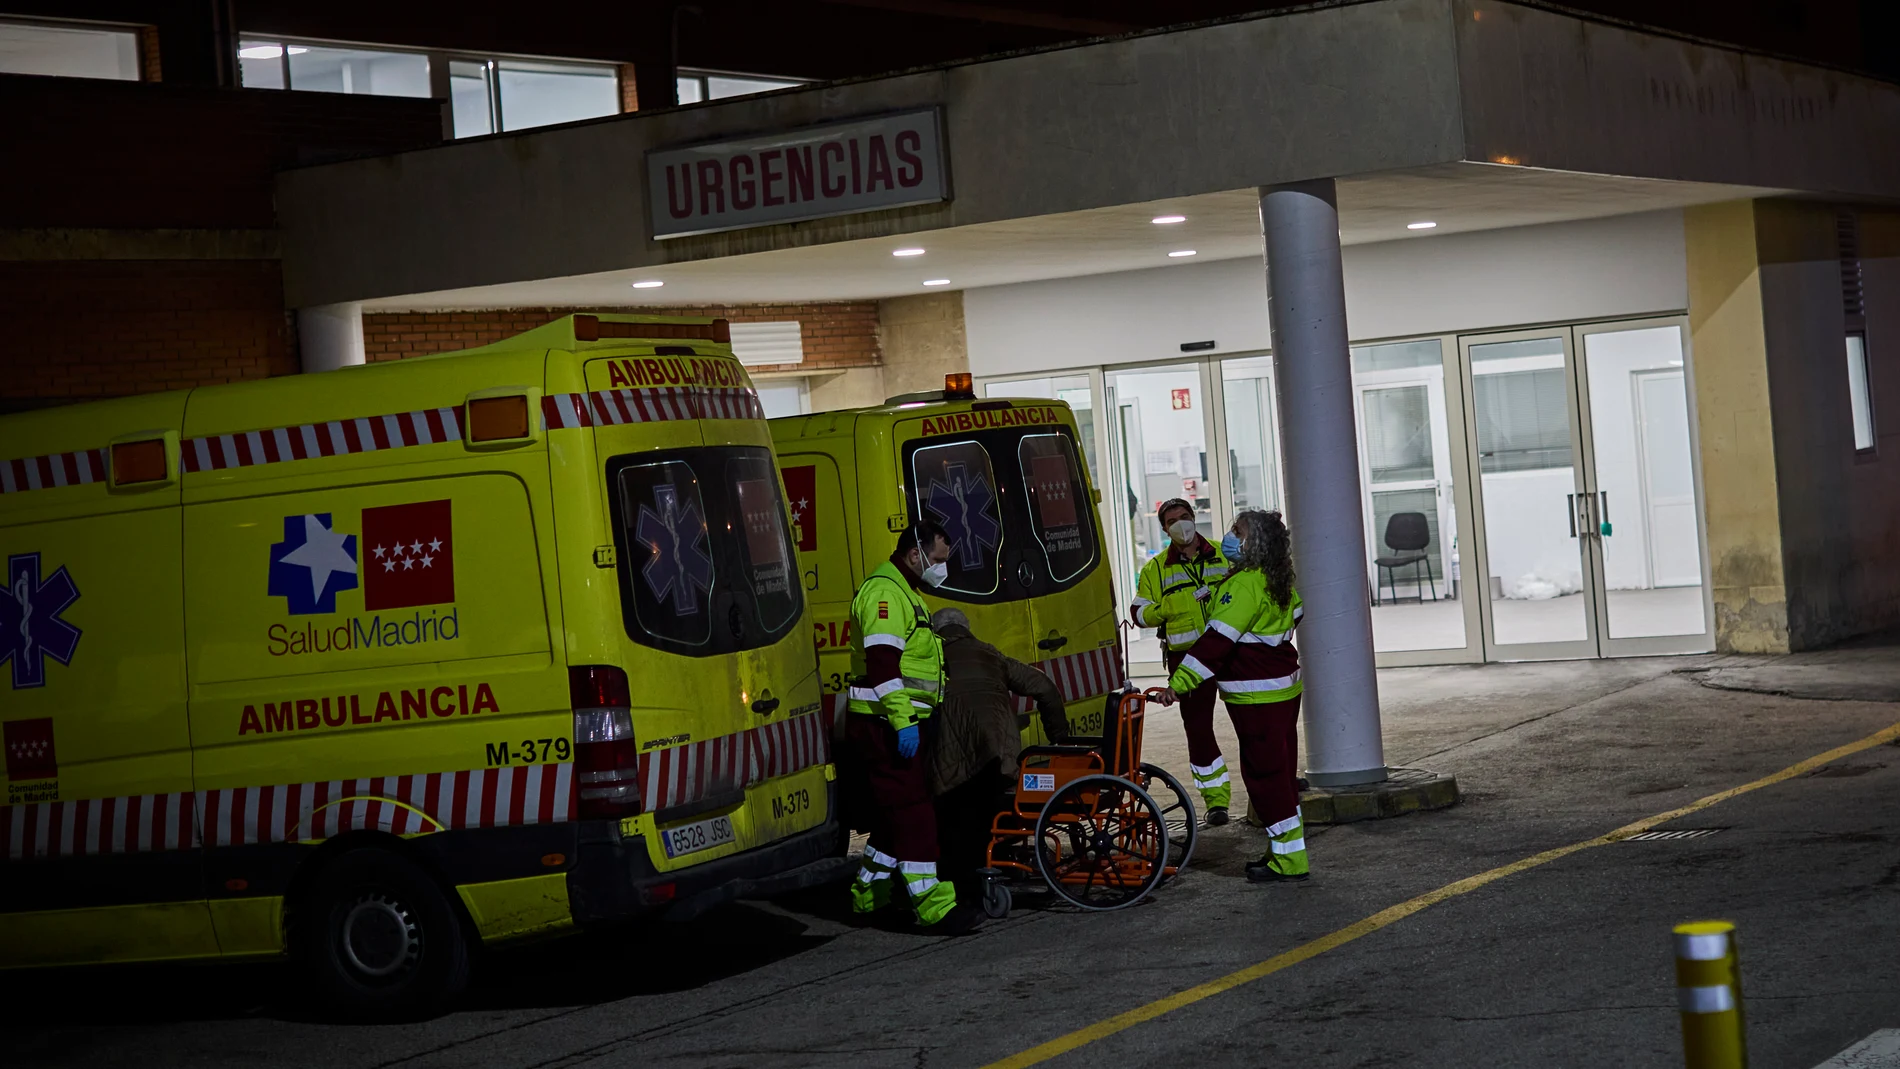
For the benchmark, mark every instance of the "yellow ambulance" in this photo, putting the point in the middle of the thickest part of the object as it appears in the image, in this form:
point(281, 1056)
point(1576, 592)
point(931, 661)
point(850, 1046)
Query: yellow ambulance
point(374, 667)
point(1004, 477)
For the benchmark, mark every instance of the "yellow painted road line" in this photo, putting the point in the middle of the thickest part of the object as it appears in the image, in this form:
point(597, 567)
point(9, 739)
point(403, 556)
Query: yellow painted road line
point(1141, 1014)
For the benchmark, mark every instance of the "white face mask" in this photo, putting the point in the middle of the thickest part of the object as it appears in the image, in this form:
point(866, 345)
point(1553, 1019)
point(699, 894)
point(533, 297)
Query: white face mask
point(1182, 531)
point(934, 575)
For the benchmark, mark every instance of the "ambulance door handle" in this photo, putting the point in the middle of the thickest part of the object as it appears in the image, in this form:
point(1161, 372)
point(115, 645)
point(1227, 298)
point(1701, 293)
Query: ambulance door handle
point(1053, 642)
point(764, 706)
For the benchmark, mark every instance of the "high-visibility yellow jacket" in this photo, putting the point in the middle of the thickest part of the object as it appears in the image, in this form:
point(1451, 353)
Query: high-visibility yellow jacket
point(1248, 646)
point(896, 660)
point(1175, 589)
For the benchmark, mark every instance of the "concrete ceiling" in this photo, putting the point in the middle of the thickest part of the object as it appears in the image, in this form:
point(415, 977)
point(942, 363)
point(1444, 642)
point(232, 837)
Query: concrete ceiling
point(1220, 226)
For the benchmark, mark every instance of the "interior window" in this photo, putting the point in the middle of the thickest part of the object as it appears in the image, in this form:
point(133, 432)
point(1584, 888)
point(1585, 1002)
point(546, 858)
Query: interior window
point(1058, 504)
point(955, 486)
point(703, 573)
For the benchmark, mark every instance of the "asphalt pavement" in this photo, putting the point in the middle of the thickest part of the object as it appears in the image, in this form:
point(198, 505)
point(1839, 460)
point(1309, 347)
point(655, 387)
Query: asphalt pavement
point(1566, 962)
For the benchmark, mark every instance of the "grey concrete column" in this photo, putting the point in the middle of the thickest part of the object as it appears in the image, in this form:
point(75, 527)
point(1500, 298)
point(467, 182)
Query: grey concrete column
point(1306, 309)
point(330, 336)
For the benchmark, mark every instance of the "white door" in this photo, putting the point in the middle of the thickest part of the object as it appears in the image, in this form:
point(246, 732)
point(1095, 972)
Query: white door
point(1675, 559)
point(1644, 528)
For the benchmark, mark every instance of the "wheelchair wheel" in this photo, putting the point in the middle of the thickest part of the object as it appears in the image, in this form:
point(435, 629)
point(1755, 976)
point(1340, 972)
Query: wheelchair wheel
point(1101, 843)
point(1177, 812)
point(996, 900)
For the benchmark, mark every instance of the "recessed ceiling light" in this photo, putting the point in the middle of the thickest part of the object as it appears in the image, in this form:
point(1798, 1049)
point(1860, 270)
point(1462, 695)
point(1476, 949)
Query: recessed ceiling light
point(1164, 220)
point(907, 252)
point(268, 51)
point(1423, 224)
point(936, 282)
point(1178, 253)
point(648, 284)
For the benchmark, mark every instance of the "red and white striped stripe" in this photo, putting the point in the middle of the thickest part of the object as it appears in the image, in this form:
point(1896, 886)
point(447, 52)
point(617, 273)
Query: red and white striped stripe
point(606, 408)
point(1082, 675)
point(136, 823)
point(369, 434)
point(53, 470)
point(681, 775)
point(308, 441)
point(239, 816)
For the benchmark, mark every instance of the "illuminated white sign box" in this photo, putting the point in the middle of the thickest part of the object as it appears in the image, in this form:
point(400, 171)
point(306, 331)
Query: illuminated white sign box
point(890, 161)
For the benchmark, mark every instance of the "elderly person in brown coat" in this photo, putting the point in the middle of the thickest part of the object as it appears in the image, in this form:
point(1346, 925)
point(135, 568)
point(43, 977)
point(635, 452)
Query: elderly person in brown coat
point(978, 737)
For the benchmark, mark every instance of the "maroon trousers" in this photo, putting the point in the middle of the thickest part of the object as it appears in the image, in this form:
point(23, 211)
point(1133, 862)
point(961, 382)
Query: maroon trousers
point(1197, 716)
point(900, 814)
point(1269, 756)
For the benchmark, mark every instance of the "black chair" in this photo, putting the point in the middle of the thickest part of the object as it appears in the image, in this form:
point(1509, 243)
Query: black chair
point(1408, 534)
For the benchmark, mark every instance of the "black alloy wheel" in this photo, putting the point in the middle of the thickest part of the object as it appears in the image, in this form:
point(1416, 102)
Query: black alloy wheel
point(378, 939)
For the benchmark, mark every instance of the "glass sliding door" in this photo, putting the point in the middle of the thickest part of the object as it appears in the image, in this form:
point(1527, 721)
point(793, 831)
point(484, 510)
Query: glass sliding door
point(1407, 469)
point(1160, 430)
point(1253, 433)
point(1537, 577)
point(1643, 491)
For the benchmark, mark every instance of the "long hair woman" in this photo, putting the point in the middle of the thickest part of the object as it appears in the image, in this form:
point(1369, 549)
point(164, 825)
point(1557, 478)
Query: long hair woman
point(1248, 651)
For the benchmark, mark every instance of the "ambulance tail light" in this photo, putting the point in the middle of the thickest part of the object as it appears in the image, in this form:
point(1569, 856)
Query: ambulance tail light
point(606, 757)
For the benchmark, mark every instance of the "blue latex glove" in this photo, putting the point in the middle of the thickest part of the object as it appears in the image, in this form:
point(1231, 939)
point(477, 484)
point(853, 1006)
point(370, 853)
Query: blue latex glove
point(907, 739)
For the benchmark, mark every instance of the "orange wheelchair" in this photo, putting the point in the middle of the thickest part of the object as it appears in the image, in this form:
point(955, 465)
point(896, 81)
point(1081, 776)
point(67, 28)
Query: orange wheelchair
point(1099, 827)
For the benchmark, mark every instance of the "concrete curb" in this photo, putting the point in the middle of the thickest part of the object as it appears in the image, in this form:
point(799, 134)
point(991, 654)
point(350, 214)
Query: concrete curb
point(1406, 790)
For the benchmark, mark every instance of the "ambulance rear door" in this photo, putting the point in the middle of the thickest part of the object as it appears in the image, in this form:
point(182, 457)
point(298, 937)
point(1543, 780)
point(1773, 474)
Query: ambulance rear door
point(724, 678)
point(961, 479)
point(1005, 481)
point(1074, 623)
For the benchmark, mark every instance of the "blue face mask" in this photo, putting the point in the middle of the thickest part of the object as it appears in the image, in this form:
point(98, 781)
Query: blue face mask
point(1230, 546)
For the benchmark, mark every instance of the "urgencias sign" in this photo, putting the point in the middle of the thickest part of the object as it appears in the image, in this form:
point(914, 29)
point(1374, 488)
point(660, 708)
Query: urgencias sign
point(890, 161)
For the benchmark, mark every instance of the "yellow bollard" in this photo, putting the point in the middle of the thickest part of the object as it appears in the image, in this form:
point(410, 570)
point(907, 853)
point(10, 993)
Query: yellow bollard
point(1709, 992)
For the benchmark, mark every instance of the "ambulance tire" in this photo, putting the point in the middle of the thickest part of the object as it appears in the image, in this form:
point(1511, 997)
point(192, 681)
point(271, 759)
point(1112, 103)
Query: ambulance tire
point(378, 940)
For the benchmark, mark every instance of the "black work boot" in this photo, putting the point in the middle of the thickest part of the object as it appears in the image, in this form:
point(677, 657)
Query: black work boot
point(1262, 871)
point(964, 918)
point(1216, 816)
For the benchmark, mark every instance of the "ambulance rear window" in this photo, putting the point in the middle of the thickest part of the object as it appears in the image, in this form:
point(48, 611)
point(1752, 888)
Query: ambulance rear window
point(955, 485)
point(1017, 509)
point(705, 555)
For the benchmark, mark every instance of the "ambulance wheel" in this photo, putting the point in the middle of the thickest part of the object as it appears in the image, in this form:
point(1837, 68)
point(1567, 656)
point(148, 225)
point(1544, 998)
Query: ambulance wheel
point(378, 939)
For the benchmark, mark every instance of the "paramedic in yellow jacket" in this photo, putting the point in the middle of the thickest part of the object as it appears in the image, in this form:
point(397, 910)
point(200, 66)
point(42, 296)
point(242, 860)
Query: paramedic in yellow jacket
point(1173, 595)
point(897, 678)
point(1248, 652)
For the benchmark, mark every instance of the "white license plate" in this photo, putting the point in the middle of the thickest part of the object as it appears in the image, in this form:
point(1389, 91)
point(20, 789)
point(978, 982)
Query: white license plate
point(699, 835)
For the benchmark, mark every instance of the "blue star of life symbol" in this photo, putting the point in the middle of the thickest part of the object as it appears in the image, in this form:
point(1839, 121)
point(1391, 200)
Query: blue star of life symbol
point(676, 535)
point(1226, 599)
point(312, 565)
point(966, 508)
point(30, 627)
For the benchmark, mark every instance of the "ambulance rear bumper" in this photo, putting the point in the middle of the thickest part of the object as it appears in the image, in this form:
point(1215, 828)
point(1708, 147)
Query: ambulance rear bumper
point(614, 880)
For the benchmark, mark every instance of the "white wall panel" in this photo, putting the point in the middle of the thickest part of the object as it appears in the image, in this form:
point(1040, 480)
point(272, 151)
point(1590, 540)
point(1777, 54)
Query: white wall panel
point(1596, 269)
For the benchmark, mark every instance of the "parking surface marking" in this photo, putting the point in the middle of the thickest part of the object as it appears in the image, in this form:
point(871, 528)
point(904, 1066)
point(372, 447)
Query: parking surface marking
point(1391, 915)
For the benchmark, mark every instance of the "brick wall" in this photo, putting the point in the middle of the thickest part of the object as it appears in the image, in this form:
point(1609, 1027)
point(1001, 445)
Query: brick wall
point(84, 329)
point(85, 152)
point(840, 334)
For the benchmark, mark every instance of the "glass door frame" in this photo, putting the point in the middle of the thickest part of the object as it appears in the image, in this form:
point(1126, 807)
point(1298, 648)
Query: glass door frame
point(1214, 433)
point(1653, 645)
point(1588, 564)
point(1463, 504)
point(1596, 642)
